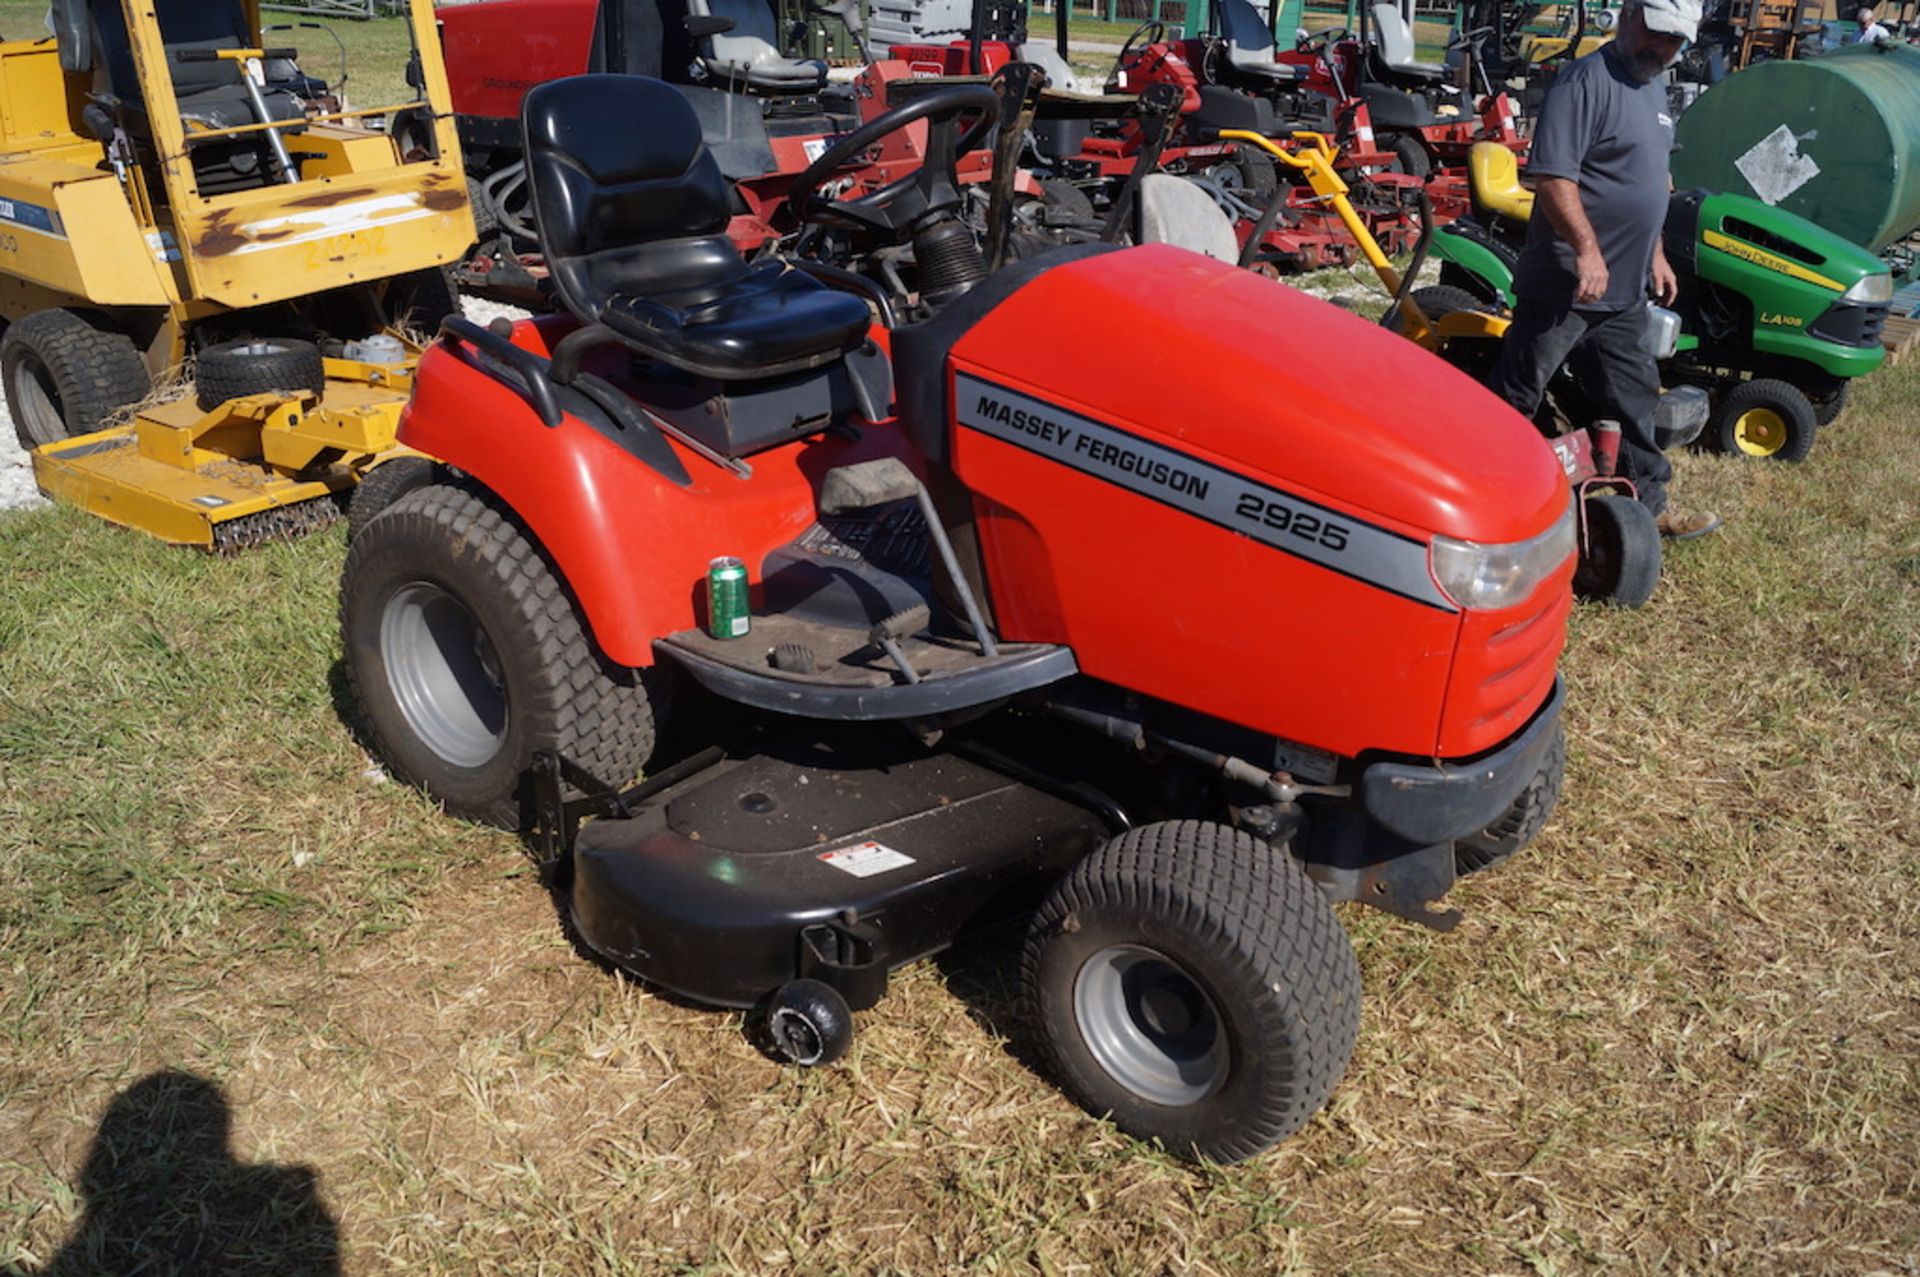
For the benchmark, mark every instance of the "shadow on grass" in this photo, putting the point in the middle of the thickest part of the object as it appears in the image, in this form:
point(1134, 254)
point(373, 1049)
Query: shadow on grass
point(164, 1195)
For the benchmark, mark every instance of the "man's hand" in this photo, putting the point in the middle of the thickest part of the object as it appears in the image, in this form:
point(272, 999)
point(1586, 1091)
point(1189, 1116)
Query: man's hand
point(1560, 198)
point(1591, 268)
point(1666, 287)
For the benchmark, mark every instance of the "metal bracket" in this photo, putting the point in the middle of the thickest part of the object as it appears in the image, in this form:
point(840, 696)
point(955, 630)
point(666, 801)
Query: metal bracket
point(556, 821)
point(1157, 108)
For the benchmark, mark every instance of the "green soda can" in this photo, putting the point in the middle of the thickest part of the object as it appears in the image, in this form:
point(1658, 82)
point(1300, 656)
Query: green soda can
point(727, 598)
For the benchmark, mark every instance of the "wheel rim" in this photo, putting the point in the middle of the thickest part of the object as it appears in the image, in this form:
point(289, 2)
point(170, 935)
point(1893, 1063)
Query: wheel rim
point(1150, 1025)
point(798, 1037)
point(1226, 176)
point(37, 401)
point(1760, 432)
point(444, 674)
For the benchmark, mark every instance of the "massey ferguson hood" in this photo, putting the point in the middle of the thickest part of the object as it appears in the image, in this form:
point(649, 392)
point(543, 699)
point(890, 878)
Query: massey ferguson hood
point(1227, 366)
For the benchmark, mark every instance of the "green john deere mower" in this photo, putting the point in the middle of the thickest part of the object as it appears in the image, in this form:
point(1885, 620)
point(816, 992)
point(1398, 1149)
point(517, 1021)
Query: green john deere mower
point(1778, 315)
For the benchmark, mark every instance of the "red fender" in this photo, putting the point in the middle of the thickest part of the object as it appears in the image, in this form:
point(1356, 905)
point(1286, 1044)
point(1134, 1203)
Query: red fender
point(632, 545)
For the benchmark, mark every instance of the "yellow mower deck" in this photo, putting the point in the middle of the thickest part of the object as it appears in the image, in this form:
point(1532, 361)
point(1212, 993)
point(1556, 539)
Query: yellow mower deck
point(256, 468)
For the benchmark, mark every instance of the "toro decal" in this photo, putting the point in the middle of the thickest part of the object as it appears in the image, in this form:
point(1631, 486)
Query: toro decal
point(1273, 517)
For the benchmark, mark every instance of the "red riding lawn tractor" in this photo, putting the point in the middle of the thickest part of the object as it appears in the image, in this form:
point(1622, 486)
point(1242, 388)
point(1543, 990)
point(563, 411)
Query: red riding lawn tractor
point(1015, 619)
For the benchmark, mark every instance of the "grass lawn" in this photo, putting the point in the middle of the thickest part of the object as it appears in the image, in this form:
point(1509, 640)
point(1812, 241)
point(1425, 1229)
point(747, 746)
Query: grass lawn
point(1679, 1034)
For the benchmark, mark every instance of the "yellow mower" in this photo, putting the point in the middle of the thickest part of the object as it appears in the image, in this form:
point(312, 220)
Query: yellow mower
point(173, 188)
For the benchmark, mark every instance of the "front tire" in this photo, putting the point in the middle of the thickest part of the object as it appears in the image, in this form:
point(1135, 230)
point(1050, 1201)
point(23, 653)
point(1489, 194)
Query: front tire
point(466, 656)
point(1766, 419)
point(64, 376)
point(1523, 821)
point(1192, 983)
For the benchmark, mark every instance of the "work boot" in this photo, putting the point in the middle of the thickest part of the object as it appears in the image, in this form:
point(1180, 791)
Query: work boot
point(1676, 526)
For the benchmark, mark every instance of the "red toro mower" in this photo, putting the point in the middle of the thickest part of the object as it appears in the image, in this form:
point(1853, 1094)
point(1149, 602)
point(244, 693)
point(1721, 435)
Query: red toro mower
point(1022, 620)
point(764, 124)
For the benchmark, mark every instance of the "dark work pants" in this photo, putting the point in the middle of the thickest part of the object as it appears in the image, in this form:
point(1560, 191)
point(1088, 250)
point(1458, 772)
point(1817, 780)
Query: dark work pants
point(1616, 374)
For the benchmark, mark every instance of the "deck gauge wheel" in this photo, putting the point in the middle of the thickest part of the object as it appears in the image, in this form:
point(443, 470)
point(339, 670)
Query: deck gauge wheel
point(809, 1023)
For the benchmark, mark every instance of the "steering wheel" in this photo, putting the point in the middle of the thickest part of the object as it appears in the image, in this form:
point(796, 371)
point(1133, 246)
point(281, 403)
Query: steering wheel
point(1152, 31)
point(1470, 39)
point(929, 192)
point(1319, 42)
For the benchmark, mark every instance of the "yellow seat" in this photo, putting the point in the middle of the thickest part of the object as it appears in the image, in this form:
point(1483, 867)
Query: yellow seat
point(1493, 177)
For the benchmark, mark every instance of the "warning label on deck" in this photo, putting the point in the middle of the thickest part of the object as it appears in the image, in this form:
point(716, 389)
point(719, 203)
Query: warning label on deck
point(865, 859)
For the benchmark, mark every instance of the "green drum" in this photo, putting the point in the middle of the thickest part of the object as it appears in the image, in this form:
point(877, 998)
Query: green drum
point(1835, 139)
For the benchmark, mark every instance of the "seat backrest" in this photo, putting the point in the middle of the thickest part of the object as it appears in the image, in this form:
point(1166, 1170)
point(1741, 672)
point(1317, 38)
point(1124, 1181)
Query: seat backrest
point(752, 38)
point(1394, 37)
point(627, 198)
point(1059, 72)
point(1493, 183)
point(1245, 31)
point(184, 24)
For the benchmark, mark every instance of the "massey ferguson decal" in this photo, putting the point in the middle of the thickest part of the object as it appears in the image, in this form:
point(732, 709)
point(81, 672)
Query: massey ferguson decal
point(1233, 501)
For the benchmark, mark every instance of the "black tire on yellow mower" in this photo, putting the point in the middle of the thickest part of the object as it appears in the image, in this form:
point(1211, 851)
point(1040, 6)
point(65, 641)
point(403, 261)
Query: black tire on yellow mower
point(256, 366)
point(1191, 983)
point(466, 657)
point(66, 376)
point(1766, 419)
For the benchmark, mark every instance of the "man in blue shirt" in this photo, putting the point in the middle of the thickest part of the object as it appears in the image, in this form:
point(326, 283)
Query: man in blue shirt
point(1599, 160)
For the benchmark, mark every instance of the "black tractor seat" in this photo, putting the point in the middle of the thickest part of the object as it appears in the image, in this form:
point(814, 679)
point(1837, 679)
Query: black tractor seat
point(633, 211)
point(209, 94)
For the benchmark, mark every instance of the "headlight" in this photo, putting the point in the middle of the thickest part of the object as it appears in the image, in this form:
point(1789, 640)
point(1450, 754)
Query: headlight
point(1875, 289)
point(1488, 577)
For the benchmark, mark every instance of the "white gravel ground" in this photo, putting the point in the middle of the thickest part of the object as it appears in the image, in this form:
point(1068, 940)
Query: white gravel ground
point(16, 471)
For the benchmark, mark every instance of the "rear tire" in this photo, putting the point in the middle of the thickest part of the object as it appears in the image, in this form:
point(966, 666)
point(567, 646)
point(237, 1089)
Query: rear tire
point(1828, 407)
point(1766, 419)
point(1192, 983)
point(1251, 172)
point(1410, 155)
point(1064, 204)
point(485, 224)
point(466, 656)
point(1524, 820)
point(1621, 561)
point(64, 376)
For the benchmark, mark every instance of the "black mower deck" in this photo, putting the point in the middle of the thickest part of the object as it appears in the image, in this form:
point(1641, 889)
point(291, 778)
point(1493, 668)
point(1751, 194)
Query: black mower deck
point(834, 859)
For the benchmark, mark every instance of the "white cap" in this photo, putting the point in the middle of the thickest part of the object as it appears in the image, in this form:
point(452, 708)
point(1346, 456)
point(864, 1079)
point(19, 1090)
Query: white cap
point(1672, 17)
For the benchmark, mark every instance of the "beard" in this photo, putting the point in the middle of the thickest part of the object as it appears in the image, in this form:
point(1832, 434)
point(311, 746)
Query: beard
point(1644, 66)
